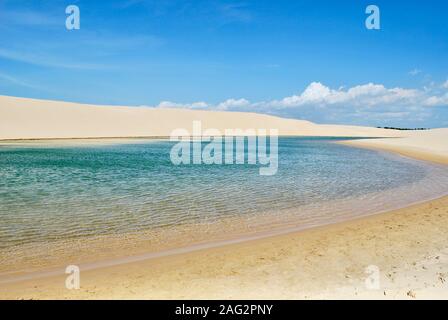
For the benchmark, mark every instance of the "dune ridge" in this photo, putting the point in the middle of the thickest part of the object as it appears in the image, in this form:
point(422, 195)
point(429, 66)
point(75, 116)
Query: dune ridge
point(23, 118)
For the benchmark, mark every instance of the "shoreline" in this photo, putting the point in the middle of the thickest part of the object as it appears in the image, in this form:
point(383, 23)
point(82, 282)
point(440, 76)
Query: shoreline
point(7, 141)
point(53, 287)
point(429, 146)
point(119, 250)
point(120, 260)
point(313, 250)
point(412, 154)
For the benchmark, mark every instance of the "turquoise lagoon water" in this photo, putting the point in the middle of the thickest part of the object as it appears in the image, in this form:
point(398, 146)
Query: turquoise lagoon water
point(51, 192)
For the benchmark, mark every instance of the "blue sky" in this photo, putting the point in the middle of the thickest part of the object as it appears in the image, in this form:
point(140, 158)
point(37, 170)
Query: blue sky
point(313, 60)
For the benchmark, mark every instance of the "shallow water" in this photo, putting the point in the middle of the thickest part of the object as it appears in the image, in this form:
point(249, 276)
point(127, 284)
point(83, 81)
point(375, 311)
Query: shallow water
point(53, 194)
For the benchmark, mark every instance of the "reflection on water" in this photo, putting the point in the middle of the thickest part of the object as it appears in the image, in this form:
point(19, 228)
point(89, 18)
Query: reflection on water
point(53, 194)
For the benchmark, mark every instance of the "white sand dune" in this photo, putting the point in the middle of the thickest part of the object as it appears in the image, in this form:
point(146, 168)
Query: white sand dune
point(426, 145)
point(22, 118)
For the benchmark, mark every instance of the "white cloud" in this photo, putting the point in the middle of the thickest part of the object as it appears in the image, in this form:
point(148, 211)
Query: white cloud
point(225, 105)
point(194, 105)
point(415, 72)
point(237, 12)
point(368, 95)
point(369, 101)
point(229, 103)
point(92, 46)
point(30, 18)
point(435, 101)
point(46, 61)
point(17, 81)
point(445, 84)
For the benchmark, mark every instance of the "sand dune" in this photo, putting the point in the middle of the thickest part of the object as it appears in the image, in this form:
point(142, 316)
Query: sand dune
point(22, 118)
point(426, 145)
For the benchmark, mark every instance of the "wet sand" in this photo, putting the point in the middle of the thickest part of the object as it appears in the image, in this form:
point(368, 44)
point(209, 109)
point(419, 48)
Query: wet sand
point(408, 246)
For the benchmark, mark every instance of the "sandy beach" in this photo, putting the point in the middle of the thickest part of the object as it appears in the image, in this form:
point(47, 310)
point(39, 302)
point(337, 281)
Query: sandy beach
point(428, 145)
point(408, 246)
point(223, 150)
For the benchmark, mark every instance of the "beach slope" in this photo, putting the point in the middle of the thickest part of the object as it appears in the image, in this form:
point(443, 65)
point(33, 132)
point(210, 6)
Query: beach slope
point(425, 145)
point(22, 118)
point(408, 247)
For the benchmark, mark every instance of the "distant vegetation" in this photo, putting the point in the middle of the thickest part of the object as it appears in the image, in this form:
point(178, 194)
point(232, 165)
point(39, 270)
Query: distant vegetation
point(394, 128)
